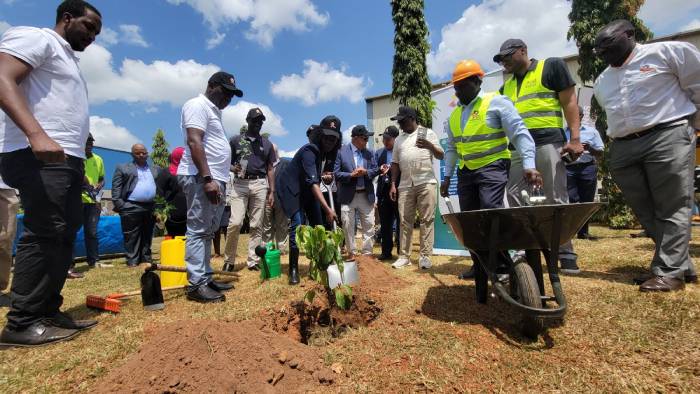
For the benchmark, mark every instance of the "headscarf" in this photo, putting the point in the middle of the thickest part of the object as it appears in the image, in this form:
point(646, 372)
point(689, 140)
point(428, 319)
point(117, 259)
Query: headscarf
point(175, 158)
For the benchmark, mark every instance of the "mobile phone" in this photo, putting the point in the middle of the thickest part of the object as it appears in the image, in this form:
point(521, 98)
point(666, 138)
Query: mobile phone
point(422, 133)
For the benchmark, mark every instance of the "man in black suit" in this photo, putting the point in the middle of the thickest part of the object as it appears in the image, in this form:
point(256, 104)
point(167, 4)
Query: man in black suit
point(388, 209)
point(133, 194)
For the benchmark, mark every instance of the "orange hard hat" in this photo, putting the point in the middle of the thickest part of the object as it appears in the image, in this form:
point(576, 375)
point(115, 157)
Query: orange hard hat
point(465, 69)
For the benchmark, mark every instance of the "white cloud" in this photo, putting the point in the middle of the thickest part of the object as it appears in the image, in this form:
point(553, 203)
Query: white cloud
point(234, 118)
point(692, 25)
point(107, 37)
point(131, 34)
point(109, 135)
point(267, 18)
point(481, 29)
point(4, 26)
point(667, 14)
point(287, 153)
point(215, 40)
point(128, 34)
point(320, 83)
point(136, 81)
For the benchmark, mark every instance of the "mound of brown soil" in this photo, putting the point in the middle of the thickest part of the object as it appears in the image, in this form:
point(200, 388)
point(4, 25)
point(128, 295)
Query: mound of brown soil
point(377, 278)
point(214, 356)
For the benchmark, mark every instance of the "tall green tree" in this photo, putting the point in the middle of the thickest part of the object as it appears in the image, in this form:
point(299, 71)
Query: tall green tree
point(159, 150)
point(587, 18)
point(411, 85)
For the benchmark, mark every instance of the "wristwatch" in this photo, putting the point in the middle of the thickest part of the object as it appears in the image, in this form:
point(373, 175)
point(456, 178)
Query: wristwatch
point(207, 178)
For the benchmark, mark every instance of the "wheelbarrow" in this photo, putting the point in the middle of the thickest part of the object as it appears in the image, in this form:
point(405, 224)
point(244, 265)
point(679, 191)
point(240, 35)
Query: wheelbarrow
point(543, 227)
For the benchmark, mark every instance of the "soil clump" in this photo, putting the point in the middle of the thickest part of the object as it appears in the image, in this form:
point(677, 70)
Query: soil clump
point(218, 356)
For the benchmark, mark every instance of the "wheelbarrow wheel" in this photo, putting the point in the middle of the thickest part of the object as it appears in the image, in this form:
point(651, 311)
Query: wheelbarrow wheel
point(528, 293)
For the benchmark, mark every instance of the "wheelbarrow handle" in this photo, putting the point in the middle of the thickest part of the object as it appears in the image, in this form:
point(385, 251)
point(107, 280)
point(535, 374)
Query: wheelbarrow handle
point(171, 268)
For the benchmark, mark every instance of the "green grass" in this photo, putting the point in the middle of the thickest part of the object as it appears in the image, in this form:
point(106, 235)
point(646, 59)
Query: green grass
point(431, 334)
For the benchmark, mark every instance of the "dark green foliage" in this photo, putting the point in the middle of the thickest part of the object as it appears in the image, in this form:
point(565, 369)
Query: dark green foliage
point(411, 85)
point(587, 18)
point(159, 150)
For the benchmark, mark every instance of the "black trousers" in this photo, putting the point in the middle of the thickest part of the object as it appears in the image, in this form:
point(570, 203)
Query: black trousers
point(581, 183)
point(484, 188)
point(137, 228)
point(388, 216)
point(50, 195)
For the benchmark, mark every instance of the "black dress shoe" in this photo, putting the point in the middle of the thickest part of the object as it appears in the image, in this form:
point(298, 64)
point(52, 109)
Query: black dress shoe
point(220, 286)
point(74, 274)
point(205, 294)
point(63, 320)
point(254, 268)
point(641, 279)
point(39, 333)
point(468, 274)
point(662, 283)
point(587, 236)
point(385, 257)
point(4, 300)
point(227, 267)
point(691, 279)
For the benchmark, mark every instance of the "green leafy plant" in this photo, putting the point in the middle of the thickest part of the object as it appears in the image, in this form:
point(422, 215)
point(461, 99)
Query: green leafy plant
point(162, 210)
point(322, 248)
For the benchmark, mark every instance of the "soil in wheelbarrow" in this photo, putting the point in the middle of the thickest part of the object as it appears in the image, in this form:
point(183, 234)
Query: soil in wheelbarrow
point(321, 321)
point(217, 356)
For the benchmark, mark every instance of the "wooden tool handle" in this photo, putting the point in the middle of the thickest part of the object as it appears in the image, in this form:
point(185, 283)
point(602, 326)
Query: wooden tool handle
point(138, 292)
point(171, 268)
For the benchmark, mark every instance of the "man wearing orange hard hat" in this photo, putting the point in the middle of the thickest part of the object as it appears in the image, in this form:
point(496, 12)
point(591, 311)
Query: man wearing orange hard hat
point(478, 132)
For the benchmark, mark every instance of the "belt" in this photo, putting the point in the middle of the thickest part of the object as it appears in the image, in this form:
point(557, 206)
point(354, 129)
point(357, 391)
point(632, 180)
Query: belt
point(658, 127)
point(247, 176)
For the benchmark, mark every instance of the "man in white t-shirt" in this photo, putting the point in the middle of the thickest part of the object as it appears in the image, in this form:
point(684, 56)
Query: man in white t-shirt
point(203, 173)
point(43, 129)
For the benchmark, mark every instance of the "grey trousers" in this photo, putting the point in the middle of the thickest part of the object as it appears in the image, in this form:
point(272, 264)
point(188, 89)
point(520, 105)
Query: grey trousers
point(548, 162)
point(655, 174)
point(203, 219)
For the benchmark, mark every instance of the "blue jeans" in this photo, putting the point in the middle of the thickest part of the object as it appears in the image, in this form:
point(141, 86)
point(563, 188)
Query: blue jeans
point(311, 210)
point(203, 219)
point(91, 216)
point(581, 182)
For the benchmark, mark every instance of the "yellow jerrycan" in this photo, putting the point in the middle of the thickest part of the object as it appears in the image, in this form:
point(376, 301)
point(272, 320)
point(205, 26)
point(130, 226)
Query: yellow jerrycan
point(172, 252)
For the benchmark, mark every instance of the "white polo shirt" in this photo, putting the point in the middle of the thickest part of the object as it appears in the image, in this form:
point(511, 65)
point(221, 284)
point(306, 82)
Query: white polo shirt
point(55, 90)
point(200, 113)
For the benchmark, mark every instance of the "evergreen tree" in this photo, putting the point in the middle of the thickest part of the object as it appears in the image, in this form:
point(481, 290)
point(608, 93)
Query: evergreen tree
point(587, 18)
point(411, 85)
point(160, 155)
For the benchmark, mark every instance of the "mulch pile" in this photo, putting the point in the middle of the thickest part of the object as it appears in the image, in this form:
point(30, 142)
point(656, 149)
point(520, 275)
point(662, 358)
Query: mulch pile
point(217, 356)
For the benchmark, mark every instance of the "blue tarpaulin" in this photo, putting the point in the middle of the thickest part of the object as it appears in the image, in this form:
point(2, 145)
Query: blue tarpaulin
point(109, 234)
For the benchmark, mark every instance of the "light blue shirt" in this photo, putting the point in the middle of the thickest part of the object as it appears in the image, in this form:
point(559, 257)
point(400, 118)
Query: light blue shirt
point(591, 137)
point(145, 189)
point(359, 162)
point(501, 114)
point(388, 156)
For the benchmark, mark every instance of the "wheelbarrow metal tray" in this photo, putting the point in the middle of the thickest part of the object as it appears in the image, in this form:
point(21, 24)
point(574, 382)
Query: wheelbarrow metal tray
point(527, 227)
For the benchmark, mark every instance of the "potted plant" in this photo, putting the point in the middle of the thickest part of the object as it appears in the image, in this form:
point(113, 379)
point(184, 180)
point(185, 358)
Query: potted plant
point(322, 248)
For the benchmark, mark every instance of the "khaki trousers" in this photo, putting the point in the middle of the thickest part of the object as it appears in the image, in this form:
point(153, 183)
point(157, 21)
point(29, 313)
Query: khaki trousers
point(360, 204)
point(421, 199)
point(9, 205)
point(246, 196)
point(276, 227)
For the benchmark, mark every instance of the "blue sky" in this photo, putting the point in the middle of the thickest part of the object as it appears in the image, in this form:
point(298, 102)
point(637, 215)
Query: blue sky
point(298, 59)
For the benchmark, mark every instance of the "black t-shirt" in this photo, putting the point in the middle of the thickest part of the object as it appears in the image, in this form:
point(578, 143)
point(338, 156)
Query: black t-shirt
point(262, 154)
point(555, 76)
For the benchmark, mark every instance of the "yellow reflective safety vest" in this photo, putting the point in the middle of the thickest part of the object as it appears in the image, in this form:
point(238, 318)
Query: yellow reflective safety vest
point(478, 144)
point(538, 106)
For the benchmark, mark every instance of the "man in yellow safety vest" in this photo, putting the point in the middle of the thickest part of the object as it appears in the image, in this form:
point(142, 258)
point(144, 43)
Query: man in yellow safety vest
point(544, 93)
point(478, 133)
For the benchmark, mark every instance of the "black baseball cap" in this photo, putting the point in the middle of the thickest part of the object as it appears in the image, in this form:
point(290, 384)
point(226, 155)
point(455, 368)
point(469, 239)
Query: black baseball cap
point(90, 137)
point(508, 47)
point(255, 113)
point(331, 126)
point(405, 112)
point(227, 81)
point(391, 131)
point(360, 130)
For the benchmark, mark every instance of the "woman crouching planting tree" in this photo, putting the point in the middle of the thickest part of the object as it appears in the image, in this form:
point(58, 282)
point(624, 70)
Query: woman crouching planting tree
point(298, 187)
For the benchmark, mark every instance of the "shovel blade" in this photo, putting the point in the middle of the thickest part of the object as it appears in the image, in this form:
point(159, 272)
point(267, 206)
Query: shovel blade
point(151, 292)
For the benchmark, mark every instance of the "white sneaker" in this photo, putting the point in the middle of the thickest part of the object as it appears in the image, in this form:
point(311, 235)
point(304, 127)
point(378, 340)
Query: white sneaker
point(401, 262)
point(424, 262)
point(104, 265)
